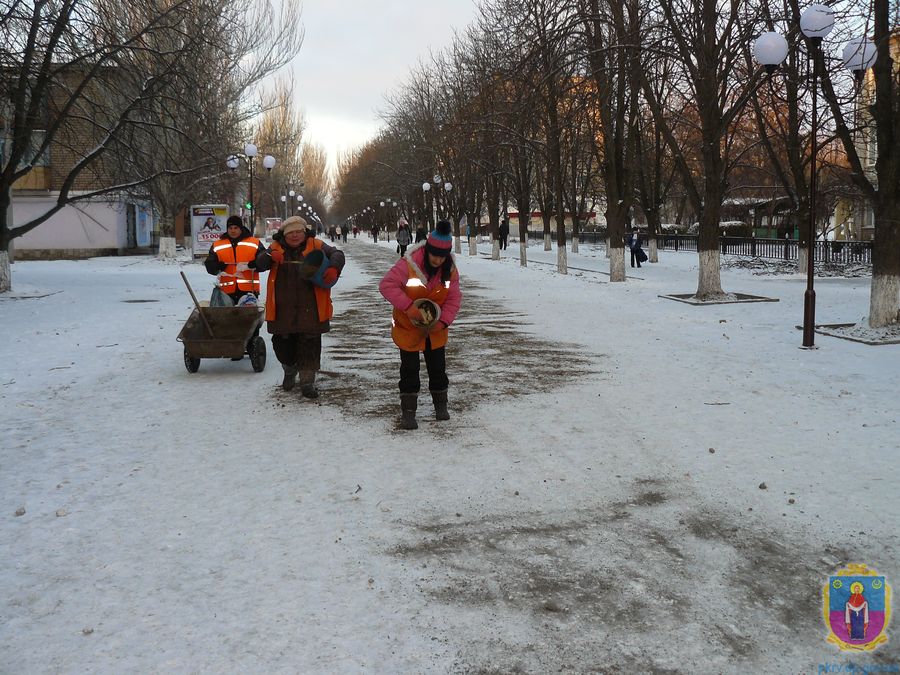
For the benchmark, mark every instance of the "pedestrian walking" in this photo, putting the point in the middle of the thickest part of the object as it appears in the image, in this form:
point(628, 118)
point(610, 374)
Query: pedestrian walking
point(402, 237)
point(504, 232)
point(298, 300)
point(633, 241)
point(423, 288)
point(421, 232)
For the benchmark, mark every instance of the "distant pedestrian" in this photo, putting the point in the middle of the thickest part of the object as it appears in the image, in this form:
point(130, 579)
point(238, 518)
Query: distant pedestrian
point(402, 237)
point(504, 232)
point(633, 241)
point(426, 273)
point(421, 232)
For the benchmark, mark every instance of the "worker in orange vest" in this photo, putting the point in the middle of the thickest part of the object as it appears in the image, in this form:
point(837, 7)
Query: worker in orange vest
point(233, 260)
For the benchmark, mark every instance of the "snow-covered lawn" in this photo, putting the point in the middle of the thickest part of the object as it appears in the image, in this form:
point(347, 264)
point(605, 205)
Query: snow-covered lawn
point(627, 483)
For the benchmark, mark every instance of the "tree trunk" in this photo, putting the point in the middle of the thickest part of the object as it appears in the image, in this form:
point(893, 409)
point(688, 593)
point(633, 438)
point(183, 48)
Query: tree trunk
point(616, 217)
point(562, 260)
point(5, 273)
point(709, 284)
point(166, 240)
point(802, 253)
point(884, 295)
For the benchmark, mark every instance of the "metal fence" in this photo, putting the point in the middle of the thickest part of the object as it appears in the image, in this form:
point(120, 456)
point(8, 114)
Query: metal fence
point(756, 247)
point(783, 249)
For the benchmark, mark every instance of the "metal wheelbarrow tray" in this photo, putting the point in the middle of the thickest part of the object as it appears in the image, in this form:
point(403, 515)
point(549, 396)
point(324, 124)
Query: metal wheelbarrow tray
point(232, 336)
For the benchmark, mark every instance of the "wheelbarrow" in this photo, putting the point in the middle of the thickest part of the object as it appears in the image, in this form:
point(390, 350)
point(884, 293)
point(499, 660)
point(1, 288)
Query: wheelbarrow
point(222, 333)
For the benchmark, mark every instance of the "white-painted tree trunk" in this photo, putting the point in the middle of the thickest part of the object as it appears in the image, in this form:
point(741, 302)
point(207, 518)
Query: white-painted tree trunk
point(5, 273)
point(548, 244)
point(167, 248)
point(884, 300)
point(523, 254)
point(495, 249)
point(574, 244)
point(607, 247)
point(710, 280)
point(473, 245)
point(654, 251)
point(616, 263)
point(801, 260)
point(457, 244)
point(562, 260)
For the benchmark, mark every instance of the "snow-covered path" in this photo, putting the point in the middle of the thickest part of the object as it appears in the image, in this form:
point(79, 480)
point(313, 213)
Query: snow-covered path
point(570, 516)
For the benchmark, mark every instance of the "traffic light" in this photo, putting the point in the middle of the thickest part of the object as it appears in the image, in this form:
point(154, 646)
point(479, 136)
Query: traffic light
point(248, 206)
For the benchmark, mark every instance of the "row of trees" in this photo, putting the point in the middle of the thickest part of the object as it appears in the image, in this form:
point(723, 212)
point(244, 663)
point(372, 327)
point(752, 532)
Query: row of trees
point(143, 98)
point(561, 105)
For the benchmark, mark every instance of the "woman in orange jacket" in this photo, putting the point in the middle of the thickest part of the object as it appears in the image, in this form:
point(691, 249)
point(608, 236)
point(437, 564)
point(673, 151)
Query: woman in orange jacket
point(298, 300)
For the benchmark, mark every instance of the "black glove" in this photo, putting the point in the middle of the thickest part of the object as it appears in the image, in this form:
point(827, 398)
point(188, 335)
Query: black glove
point(214, 265)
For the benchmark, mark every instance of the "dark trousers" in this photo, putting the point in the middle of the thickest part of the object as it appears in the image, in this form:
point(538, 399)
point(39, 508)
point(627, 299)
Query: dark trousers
point(302, 350)
point(435, 363)
point(503, 240)
point(634, 258)
point(402, 249)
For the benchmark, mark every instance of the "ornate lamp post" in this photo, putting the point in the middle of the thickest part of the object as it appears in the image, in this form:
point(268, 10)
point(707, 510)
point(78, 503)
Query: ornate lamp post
point(250, 154)
point(859, 54)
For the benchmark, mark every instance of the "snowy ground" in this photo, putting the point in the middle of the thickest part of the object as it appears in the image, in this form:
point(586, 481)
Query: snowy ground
point(594, 505)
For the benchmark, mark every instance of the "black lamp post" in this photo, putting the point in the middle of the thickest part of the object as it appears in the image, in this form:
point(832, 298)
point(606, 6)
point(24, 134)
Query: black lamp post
point(816, 22)
point(250, 153)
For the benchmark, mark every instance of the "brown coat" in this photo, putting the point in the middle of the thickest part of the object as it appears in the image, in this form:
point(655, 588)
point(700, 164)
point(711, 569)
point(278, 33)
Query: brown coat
point(293, 304)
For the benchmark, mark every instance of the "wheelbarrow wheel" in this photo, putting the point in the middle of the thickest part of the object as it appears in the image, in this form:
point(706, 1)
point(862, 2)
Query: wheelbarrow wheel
point(257, 353)
point(192, 364)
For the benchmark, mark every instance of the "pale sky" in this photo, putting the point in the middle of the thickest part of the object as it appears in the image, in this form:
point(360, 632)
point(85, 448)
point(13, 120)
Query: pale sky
point(356, 51)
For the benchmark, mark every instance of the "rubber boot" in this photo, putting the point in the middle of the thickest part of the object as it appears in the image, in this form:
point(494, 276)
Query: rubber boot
point(308, 384)
point(290, 377)
point(408, 405)
point(440, 405)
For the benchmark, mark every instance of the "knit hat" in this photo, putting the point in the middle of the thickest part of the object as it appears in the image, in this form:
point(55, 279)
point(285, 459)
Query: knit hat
point(237, 220)
point(293, 223)
point(440, 241)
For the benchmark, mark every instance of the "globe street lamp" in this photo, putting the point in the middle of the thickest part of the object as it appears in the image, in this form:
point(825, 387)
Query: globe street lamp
point(858, 55)
point(250, 154)
point(816, 22)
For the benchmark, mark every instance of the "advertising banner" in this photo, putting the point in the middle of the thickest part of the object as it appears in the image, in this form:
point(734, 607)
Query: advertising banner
point(144, 226)
point(207, 226)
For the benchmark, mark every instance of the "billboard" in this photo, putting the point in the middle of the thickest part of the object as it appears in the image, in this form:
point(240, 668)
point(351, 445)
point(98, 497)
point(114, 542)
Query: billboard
point(207, 226)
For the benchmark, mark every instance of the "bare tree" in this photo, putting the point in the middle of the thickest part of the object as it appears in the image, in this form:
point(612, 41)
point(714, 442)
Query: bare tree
point(92, 81)
point(707, 40)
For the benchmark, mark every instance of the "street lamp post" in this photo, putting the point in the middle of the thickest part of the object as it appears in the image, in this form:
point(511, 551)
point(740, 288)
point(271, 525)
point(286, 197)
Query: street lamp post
point(431, 189)
point(859, 54)
point(250, 154)
point(815, 23)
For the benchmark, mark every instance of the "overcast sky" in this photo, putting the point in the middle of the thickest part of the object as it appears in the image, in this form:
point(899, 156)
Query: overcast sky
point(355, 51)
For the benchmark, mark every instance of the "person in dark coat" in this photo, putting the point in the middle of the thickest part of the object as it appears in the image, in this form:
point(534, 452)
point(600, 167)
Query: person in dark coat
point(633, 241)
point(504, 233)
point(402, 237)
point(298, 300)
point(421, 232)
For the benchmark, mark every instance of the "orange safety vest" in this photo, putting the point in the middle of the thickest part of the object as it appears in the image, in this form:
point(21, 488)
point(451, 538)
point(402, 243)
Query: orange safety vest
point(323, 295)
point(411, 338)
point(232, 281)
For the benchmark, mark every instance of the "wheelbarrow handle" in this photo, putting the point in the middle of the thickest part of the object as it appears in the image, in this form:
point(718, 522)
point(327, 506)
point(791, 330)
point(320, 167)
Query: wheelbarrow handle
point(199, 308)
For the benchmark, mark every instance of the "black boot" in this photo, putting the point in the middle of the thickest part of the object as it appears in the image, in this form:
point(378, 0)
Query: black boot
point(290, 377)
point(408, 405)
point(308, 384)
point(440, 405)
